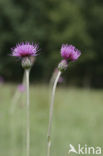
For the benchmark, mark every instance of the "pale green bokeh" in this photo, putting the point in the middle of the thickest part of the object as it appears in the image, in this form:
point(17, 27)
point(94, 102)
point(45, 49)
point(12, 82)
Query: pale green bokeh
point(78, 119)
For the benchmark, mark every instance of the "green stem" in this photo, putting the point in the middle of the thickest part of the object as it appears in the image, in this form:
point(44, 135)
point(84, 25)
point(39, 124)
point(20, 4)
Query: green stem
point(51, 113)
point(27, 114)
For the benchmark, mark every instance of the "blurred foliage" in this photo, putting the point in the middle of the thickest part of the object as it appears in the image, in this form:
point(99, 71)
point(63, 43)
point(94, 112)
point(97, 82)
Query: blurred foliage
point(78, 118)
point(51, 23)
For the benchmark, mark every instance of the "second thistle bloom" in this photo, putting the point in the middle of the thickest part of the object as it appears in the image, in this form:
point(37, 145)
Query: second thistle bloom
point(69, 52)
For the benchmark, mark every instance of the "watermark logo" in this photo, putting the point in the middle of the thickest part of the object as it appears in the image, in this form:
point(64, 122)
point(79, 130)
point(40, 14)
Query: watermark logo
point(85, 149)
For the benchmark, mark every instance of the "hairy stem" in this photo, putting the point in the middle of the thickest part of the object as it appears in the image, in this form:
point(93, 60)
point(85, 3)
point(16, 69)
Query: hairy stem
point(27, 114)
point(51, 112)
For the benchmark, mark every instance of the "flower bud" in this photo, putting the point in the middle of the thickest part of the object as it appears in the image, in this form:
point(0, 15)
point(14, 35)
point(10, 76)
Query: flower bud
point(26, 62)
point(63, 65)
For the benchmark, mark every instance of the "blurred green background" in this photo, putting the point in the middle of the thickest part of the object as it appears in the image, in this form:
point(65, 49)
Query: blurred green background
point(78, 119)
point(51, 23)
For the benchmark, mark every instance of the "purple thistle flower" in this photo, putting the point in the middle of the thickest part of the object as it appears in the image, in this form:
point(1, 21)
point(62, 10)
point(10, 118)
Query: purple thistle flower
point(60, 79)
point(69, 52)
point(1, 80)
point(21, 87)
point(25, 50)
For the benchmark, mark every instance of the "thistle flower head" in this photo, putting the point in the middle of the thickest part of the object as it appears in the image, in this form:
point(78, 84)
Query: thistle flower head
point(21, 87)
point(25, 50)
point(69, 52)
